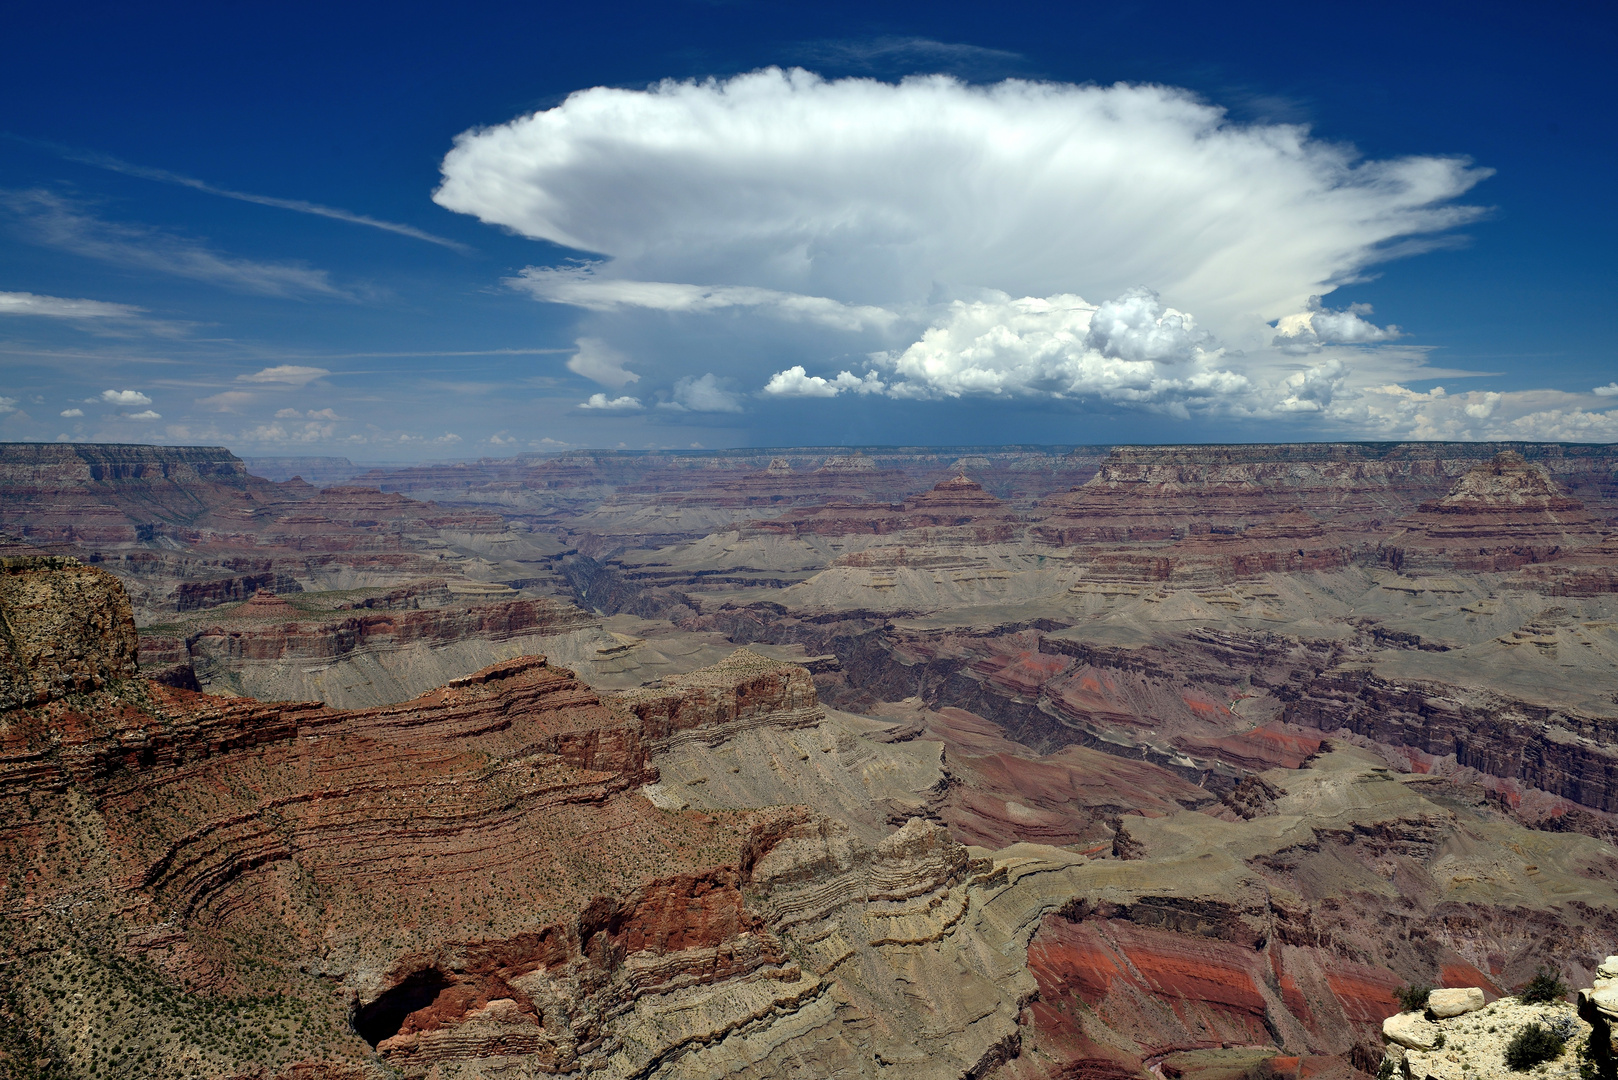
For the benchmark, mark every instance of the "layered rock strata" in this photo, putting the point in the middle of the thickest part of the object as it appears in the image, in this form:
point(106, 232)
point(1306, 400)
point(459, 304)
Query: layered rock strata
point(1503, 514)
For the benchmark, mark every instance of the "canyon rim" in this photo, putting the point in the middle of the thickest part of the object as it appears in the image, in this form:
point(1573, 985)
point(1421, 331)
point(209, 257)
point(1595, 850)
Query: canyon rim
point(1021, 762)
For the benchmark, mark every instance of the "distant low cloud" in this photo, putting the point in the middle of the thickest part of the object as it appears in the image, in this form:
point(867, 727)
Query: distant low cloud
point(1318, 325)
point(1610, 390)
point(702, 394)
point(228, 400)
point(72, 413)
point(795, 381)
point(285, 375)
point(617, 404)
point(145, 415)
point(600, 363)
point(58, 307)
point(124, 397)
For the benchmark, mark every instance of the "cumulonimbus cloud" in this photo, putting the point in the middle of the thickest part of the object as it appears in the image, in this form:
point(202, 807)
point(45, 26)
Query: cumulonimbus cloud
point(873, 193)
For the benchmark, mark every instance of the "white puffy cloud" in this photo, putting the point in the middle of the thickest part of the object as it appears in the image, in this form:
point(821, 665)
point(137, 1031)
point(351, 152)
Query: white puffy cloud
point(617, 404)
point(71, 413)
point(581, 287)
point(795, 381)
point(58, 307)
point(8, 405)
point(706, 393)
point(1132, 349)
point(872, 193)
point(1610, 390)
point(597, 361)
point(145, 415)
point(1318, 325)
point(285, 375)
point(123, 397)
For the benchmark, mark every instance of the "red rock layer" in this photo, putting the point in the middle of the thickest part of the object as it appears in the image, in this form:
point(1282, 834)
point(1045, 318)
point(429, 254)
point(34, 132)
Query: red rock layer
point(269, 628)
point(457, 846)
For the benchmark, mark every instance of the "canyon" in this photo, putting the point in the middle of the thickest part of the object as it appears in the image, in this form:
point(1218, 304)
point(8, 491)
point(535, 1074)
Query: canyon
point(1027, 762)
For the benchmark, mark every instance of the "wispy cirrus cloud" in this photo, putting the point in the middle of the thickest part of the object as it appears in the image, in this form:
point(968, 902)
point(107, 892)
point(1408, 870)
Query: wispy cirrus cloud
point(53, 221)
point(907, 55)
point(61, 307)
point(301, 206)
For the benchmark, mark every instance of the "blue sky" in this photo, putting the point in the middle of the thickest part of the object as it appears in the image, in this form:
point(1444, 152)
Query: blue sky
point(730, 224)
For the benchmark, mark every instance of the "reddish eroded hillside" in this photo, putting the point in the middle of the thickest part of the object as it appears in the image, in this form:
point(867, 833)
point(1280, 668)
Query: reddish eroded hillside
point(113, 494)
point(479, 836)
point(250, 647)
point(956, 509)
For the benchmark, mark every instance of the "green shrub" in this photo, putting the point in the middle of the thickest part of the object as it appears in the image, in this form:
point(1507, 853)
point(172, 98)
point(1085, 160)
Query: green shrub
point(1531, 1046)
point(1412, 998)
point(1543, 989)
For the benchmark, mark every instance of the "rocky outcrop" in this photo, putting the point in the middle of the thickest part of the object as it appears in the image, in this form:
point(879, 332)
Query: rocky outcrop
point(1472, 1043)
point(64, 628)
point(268, 629)
point(743, 691)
